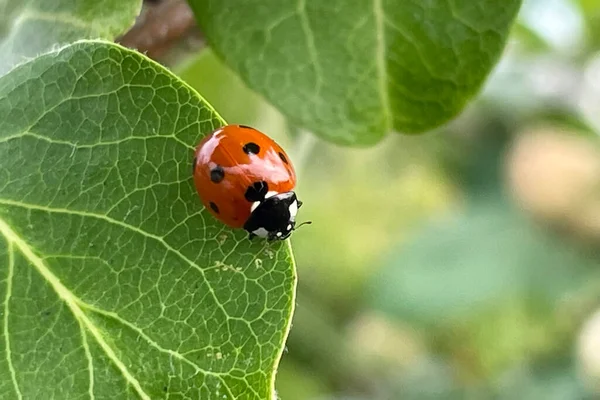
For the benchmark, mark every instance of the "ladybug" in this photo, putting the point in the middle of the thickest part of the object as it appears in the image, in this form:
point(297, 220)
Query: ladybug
point(246, 180)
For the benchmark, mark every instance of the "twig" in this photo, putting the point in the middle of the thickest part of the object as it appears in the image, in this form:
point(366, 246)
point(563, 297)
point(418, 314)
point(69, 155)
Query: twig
point(162, 26)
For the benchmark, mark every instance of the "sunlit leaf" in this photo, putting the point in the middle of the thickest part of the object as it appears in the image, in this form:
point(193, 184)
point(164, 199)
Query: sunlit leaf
point(115, 283)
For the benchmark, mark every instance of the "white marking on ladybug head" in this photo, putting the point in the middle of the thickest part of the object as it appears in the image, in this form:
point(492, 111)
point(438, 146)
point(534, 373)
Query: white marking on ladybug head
point(289, 227)
point(261, 232)
point(254, 205)
point(279, 234)
point(293, 210)
point(270, 194)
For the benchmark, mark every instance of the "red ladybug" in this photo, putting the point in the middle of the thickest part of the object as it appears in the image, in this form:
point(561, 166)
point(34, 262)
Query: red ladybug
point(246, 180)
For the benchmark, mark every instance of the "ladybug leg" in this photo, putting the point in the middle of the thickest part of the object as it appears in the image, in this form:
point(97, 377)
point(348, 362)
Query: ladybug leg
point(299, 203)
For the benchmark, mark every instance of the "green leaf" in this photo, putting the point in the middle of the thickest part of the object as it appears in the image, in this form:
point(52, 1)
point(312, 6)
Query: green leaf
point(115, 281)
point(556, 380)
point(30, 27)
point(461, 267)
point(351, 71)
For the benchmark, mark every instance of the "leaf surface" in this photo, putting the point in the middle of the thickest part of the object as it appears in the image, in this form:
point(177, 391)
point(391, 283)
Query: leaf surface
point(352, 71)
point(115, 282)
point(31, 27)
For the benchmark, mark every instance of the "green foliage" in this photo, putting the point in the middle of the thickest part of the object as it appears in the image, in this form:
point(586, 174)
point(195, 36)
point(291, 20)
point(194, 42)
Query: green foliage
point(552, 382)
point(431, 280)
point(30, 27)
point(115, 282)
point(242, 107)
point(475, 272)
point(352, 71)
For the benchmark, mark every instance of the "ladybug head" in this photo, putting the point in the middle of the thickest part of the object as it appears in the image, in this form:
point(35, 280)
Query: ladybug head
point(274, 217)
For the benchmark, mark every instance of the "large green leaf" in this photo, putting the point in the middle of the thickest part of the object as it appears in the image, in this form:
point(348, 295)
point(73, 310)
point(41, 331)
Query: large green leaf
point(353, 70)
point(115, 281)
point(30, 27)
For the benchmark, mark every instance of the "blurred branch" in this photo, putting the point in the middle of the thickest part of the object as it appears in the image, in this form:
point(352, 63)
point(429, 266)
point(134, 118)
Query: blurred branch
point(165, 30)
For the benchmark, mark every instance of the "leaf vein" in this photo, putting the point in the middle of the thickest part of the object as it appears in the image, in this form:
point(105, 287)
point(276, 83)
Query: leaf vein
point(149, 340)
point(12, 237)
point(90, 145)
point(380, 60)
point(88, 355)
point(134, 229)
point(9, 279)
point(310, 44)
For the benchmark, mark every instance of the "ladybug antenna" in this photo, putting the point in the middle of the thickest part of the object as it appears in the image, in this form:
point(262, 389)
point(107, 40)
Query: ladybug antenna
point(304, 223)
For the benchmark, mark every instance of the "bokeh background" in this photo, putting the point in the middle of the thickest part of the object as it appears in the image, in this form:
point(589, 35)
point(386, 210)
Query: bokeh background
point(463, 263)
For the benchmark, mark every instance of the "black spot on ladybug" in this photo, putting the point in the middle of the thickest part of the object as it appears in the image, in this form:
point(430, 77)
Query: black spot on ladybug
point(282, 156)
point(217, 174)
point(251, 148)
point(245, 126)
point(194, 165)
point(214, 207)
point(257, 191)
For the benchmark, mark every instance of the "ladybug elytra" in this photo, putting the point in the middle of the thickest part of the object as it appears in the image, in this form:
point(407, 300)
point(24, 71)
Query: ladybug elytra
point(246, 180)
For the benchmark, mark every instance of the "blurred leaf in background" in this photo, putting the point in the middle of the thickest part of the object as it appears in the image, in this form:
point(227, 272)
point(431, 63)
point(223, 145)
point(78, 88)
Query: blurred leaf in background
point(31, 27)
point(222, 88)
point(461, 265)
point(489, 275)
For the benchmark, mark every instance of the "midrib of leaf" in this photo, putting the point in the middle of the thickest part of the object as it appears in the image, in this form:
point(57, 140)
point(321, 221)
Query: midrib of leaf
point(123, 225)
point(71, 302)
point(9, 279)
point(88, 354)
point(76, 305)
point(382, 74)
point(82, 305)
